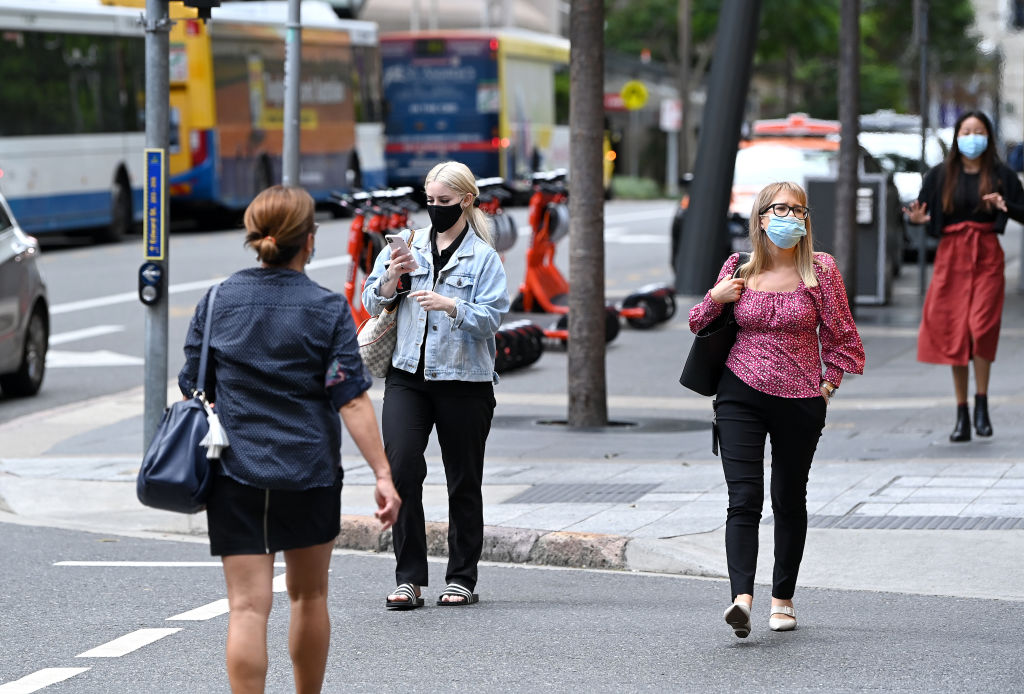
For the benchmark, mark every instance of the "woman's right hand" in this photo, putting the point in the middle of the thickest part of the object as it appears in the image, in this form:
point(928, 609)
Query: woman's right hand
point(728, 290)
point(401, 262)
point(917, 212)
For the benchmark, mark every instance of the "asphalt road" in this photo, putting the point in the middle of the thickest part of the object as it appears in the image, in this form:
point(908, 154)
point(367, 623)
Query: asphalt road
point(534, 630)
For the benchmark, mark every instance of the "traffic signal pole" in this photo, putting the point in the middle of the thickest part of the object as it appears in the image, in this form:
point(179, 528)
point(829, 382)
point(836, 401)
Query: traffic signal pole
point(153, 273)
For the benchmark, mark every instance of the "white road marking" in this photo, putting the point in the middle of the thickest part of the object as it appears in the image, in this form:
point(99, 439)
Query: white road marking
point(199, 614)
point(40, 679)
point(147, 564)
point(125, 297)
point(84, 334)
point(279, 585)
point(61, 359)
point(128, 643)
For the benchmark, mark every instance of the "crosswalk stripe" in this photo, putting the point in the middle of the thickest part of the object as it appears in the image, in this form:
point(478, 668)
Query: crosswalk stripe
point(204, 612)
point(127, 643)
point(40, 679)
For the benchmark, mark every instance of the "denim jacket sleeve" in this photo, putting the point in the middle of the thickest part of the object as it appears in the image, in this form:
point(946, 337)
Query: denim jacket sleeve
point(481, 316)
point(373, 302)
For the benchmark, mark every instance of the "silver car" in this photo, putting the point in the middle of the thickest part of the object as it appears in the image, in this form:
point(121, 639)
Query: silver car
point(24, 313)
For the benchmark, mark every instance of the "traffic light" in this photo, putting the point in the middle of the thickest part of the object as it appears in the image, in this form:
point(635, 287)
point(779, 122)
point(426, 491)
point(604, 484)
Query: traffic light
point(204, 7)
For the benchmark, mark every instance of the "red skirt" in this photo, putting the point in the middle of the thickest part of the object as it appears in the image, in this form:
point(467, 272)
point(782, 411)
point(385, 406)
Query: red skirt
point(964, 304)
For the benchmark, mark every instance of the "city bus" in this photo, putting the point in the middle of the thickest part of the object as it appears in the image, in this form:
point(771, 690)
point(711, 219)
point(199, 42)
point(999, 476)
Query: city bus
point(485, 97)
point(72, 94)
point(72, 129)
point(227, 93)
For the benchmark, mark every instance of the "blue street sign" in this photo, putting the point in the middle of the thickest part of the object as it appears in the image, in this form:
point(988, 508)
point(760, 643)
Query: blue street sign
point(155, 221)
point(150, 273)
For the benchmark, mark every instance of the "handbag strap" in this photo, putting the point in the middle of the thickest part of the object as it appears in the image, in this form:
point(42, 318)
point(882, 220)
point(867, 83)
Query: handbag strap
point(728, 308)
point(204, 353)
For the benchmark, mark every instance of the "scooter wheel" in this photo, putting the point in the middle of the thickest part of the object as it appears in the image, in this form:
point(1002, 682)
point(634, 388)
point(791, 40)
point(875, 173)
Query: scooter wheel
point(654, 313)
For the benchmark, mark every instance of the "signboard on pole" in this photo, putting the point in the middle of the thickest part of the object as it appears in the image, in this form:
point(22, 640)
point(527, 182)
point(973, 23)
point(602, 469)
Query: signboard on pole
point(671, 115)
point(634, 95)
point(155, 222)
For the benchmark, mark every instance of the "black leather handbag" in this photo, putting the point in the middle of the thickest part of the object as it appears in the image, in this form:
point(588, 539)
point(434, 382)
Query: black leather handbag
point(710, 348)
point(176, 470)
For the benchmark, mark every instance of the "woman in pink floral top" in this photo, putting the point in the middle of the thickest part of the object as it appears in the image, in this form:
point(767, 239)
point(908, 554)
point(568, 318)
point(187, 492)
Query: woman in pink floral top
point(794, 317)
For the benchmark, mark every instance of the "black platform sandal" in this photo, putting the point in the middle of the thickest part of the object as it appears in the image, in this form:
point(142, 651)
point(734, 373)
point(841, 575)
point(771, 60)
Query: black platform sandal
point(454, 590)
point(408, 592)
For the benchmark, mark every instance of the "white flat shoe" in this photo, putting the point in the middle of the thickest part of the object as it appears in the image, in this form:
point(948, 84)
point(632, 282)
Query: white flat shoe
point(738, 617)
point(776, 624)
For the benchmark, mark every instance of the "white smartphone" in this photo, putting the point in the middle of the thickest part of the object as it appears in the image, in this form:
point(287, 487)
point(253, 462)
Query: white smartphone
point(397, 244)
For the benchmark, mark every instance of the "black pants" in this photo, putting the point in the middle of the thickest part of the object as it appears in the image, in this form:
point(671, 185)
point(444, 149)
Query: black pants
point(745, 418)
point(462, 413)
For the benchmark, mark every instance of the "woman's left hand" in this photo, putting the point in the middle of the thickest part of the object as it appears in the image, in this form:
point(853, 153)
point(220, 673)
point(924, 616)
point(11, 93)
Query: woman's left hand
point(995, 199)
point(432, 301)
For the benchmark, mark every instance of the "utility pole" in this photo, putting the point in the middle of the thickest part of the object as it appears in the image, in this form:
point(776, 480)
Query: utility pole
point(705, 240)
point(587, 387)
point(156, 249)
point(849, 110)
point(292, 95)
point(685, 40)
point(921, 23)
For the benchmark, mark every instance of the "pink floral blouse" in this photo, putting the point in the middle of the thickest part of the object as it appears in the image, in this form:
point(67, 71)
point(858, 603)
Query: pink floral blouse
point(776, 350)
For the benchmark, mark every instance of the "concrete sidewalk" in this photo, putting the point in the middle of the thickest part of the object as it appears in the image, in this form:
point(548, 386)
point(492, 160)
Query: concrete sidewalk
point(893, 505)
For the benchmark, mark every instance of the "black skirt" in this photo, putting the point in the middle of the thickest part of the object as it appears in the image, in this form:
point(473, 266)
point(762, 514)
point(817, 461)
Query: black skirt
point(247, 520)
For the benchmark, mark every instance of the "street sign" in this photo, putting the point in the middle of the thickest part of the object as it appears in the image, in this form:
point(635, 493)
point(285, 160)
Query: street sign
point(634, 95)
point(671, 115)
point(154, 223)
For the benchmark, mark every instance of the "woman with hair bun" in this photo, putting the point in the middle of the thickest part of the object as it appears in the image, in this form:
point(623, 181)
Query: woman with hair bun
point(283, 363)
point(442, 374)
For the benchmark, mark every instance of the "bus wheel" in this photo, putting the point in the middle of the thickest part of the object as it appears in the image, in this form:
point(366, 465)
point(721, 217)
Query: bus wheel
point(120, 214)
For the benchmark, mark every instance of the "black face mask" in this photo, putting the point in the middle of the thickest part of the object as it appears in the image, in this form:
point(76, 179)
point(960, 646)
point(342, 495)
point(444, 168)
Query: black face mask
point(444, 217)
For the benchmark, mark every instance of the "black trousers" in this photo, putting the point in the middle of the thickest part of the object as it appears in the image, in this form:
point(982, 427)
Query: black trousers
point(745, 418)
point(462, 413)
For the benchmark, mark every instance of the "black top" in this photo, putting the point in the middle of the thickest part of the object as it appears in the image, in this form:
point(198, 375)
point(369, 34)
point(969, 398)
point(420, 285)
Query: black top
point(441, 259)
point(967, 201)
point(283, 360)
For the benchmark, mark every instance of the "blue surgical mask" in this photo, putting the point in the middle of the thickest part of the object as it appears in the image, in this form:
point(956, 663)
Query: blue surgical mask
point(785, 232)
point(972, 146)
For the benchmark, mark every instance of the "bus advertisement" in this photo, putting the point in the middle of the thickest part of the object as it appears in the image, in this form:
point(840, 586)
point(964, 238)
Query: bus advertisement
point(486, 98)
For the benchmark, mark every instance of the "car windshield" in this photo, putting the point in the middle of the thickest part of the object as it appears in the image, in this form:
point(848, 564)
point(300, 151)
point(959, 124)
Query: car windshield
point(899, 152)
point(759, 165)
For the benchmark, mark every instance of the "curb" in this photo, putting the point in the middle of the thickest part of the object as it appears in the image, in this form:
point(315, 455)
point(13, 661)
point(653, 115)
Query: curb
point(508, 545)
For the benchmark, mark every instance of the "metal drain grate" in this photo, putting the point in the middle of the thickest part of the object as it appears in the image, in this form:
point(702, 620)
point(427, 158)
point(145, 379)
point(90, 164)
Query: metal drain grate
point(914, 522)
point(581, 494)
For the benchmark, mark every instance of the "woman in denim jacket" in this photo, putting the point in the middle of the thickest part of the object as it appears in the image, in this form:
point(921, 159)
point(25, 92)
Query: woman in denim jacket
point(452, 293)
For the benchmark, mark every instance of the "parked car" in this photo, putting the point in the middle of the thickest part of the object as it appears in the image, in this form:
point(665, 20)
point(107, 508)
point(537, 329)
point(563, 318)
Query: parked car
point(900, 154)
point(24, 311)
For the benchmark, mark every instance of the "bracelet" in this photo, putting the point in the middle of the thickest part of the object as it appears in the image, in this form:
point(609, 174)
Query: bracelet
point(454, 312)
point(831, 389)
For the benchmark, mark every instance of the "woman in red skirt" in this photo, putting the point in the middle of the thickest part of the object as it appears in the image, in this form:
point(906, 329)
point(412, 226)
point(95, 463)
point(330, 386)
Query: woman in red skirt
point(965, 201)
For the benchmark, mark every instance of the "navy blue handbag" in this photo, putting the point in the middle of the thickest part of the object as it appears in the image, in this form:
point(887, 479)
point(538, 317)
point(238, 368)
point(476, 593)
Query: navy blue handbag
point(176, 471)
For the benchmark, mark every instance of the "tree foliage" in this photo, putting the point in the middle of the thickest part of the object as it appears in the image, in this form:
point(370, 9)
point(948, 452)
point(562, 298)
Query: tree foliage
point(798, 43)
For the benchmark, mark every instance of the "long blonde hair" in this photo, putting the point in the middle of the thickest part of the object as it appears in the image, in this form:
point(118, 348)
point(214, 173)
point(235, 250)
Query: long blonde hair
point(760, 259)
point(458, 177)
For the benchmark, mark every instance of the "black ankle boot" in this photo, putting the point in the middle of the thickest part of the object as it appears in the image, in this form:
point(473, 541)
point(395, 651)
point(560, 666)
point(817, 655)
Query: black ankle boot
point(962, 430)
point(982, 425)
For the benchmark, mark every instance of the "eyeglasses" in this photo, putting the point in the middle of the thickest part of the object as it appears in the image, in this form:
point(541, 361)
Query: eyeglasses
point(781, 209)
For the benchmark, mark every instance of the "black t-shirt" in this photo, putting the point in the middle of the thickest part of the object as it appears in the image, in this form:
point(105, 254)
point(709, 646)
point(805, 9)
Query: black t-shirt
point(441, 259)
point(967, 205)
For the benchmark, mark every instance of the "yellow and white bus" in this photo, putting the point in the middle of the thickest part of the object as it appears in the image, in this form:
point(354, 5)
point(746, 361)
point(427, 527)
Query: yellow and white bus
point(227, 103)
